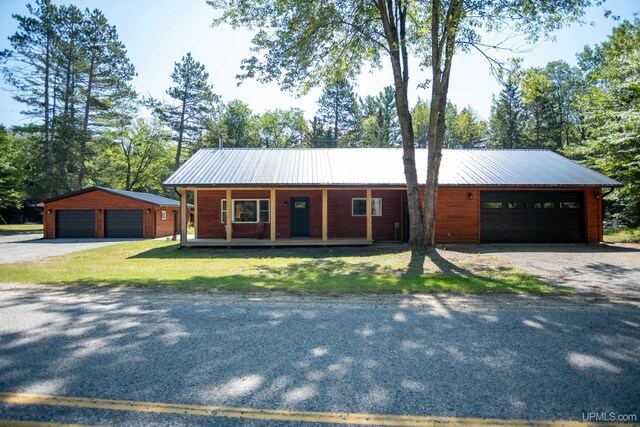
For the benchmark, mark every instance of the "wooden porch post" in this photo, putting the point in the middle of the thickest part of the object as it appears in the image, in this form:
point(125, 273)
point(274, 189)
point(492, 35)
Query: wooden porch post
point(184, 214)
point(272, 213)
point(195, 211)
point(369, 219)
point(229, 225)
point(325, 222)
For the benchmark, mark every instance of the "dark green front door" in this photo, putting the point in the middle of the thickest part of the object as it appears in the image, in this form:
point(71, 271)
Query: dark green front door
point(299, 217)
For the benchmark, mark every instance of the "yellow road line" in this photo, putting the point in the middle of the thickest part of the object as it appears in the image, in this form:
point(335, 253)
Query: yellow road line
point(23, 423)
point(283, 414)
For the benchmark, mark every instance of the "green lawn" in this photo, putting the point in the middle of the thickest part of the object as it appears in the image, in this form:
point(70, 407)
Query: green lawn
point(6, 230)
point(622, 235)
point(301, 270)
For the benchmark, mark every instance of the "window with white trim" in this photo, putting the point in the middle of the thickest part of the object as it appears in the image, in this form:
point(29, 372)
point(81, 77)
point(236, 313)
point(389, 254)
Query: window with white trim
point(359, 207)
point(246, 210)
point(164, 215)
point(223, 211)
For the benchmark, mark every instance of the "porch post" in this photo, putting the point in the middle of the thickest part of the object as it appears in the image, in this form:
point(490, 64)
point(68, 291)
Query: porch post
point(229, 225)
point(272, 213)
point(369, 219)
point(195, 211)
point(325, 229)
point(184, 213)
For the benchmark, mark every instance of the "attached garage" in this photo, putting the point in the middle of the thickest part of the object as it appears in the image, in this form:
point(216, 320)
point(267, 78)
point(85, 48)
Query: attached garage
point(532, 217)
point(99, 212)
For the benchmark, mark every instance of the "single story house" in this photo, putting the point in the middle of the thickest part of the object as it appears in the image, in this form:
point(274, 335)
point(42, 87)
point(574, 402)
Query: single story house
point(101, 212)
point(348, 196)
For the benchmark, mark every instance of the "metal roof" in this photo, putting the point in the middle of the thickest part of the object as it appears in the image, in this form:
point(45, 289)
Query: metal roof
point(143, 197)
point(379, 167)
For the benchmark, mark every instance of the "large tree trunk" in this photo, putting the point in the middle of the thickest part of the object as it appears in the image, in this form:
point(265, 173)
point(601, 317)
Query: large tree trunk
point(395, 36)
point(442, 48)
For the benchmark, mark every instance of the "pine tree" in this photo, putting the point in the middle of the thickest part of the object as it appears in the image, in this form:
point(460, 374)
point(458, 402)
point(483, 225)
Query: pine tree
point(194, 102)
point(107, 73)
point(337, 107)
point(507, 114)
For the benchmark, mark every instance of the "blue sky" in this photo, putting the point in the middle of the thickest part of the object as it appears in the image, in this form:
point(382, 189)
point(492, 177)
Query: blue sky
point(157, 33)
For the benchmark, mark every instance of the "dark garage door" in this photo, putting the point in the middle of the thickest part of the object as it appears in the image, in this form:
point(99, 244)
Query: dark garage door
point(75, 223)
point(123, 223)
point(532, 216)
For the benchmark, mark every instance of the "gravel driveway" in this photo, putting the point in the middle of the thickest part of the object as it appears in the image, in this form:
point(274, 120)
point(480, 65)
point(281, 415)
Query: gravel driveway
point(29, 247)
point(599, 269)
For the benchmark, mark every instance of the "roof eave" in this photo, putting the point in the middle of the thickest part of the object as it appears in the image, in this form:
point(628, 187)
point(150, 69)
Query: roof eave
point(361, 185)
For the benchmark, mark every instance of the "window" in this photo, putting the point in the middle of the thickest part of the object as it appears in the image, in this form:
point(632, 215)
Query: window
point(164, 215)
point(223, 211)
point(569, 205)
point(246, 211)
point(543, 205)
point(359, 207)
point(517, 205)
point(264, 211)
point(491, 205)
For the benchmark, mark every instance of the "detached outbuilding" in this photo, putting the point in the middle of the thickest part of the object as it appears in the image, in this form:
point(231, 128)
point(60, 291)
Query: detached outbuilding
point(98, 212)
point(349, 196)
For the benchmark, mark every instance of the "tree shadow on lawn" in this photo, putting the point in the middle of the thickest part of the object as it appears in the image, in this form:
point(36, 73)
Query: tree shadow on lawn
point(322, 270)
point(175, 252)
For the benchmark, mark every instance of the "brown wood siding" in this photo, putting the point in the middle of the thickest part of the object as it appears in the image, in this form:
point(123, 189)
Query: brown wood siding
point(210, 225)
point(384, 227)
point(165, 228)
point(283, 213)
point(593, 212)
point(95, 200)
point(457, 216)
point(340, 221)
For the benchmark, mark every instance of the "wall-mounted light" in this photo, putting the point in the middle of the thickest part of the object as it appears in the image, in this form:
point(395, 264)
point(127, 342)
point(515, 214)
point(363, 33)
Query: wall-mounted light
point(596, 194)
point(286, 204)
point(148, 210)
point(469, 195)
point(99, 211)
point(48, 211)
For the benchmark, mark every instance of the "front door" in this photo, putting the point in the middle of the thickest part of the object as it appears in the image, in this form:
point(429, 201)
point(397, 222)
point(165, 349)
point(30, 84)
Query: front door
point(299, 216)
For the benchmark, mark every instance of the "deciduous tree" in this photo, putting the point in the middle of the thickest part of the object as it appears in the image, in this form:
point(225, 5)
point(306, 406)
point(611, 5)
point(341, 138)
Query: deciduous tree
point(308, 43)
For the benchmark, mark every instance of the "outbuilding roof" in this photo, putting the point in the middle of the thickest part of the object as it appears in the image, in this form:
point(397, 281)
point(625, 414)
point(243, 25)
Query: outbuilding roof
point(142, 197)
point(379, 167)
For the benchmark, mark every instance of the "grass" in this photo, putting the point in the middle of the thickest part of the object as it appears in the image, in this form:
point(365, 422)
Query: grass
point(6, 230)
point(622, 235)
point(150, 263)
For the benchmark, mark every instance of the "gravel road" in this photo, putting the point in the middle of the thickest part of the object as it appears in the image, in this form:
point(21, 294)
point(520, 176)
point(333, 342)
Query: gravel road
point(491, 356)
